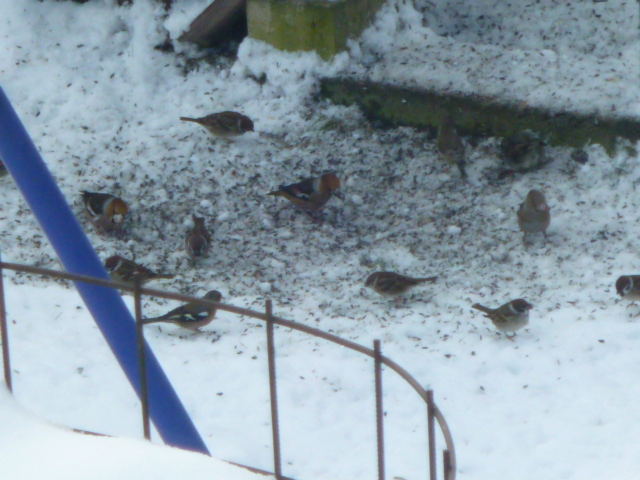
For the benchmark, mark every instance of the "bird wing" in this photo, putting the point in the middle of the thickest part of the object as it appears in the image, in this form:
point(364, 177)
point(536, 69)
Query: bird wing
point(182, 314)
point(96, 202)
point(302, 190)
point(226, 121)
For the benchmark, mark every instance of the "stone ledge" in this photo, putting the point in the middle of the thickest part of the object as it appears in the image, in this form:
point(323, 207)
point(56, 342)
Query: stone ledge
point(475, 115)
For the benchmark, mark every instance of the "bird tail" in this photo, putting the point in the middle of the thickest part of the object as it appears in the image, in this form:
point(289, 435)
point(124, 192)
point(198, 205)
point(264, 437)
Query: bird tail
point(427, 279)
point(189, 119)
point(146, 321)
point(482, 308)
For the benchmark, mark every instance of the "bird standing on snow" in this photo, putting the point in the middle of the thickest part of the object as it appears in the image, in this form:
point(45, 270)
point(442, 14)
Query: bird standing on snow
point(523, 151)
point(310, 194)
point(192, 315)
point(392, 284)
point(224, 124)
point(198, 239)
point(628, 287)
point(106, 211)
point(127, 271)
point(534, 215)
point(450, 144)
point(509, 317)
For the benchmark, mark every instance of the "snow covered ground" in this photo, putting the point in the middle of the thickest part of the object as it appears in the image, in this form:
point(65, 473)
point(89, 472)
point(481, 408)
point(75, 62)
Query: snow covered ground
point(103, 106)
point(546, 53)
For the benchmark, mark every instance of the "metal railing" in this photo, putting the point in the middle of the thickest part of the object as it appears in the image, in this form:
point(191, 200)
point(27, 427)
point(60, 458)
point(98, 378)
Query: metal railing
point(434, 415)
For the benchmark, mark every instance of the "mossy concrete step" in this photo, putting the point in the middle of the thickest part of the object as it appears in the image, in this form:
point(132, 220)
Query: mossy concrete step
point(323, 26)
point(475, 115)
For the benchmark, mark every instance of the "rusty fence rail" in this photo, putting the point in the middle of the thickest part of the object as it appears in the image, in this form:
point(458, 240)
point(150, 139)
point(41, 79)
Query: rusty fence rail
point(434, 415)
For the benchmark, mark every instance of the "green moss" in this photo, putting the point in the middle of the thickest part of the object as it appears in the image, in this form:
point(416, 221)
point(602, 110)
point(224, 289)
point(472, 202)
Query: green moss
point(309, 25)
point(478, 116)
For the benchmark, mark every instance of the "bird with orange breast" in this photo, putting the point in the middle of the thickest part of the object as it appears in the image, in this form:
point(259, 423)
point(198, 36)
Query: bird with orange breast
point(192, 315)
point(106, 211)
point(198, 239)
point(311, 194)
point(534, 215)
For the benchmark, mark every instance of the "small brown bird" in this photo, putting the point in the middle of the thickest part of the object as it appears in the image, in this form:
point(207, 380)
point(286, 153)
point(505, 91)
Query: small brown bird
point(224, 124)
point(106, 211)
point(127, 271)
point(450, 144)
point(192, 315)
point(534, 215)
point(198, 239)
point(390, 284)
point(628, 287)
point(509, 317)
point(523, 151)
point(310, 194)
point(3, 170)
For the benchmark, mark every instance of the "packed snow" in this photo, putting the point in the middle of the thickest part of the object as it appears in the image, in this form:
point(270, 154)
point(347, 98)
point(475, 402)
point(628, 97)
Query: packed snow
point(103, 107)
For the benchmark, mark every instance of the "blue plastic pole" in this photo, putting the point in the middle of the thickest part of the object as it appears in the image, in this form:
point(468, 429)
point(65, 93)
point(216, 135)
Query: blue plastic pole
point(77, 256)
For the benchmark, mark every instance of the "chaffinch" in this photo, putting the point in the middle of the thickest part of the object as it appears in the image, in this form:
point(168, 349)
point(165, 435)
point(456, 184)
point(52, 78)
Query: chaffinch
point(224, 124)
point(310, 194)
point(127, 271)
point(192, 315)
point(392, 284)
point(523, 151)
point(509, 317)
point(534, 215)
point(198, 239)
point(106, 211)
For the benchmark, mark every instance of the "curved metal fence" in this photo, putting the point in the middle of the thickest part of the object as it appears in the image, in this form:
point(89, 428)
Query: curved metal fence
point(434, 415)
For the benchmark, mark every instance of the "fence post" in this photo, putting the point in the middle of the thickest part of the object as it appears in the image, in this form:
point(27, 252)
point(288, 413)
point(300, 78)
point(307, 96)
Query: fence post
point(433, 473)
point(6, 361)
point(142, 362)
point(446, 460)
point(273, 390)
point(379, 408)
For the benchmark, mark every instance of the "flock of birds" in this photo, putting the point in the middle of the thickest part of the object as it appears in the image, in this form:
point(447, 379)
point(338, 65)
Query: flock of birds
point(108, 212)
point(523, 151)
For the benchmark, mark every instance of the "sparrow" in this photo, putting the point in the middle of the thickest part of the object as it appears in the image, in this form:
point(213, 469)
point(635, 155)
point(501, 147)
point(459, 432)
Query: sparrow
point(224, 124)
point(198, 239)
point(534, 215)
point(450, 144)
point(127, 271)
point(390, 284)
point(523, 151)
point(628, 286)
point(310, 194)
point(192, 315)
point(105, 210)
point(510, 317)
